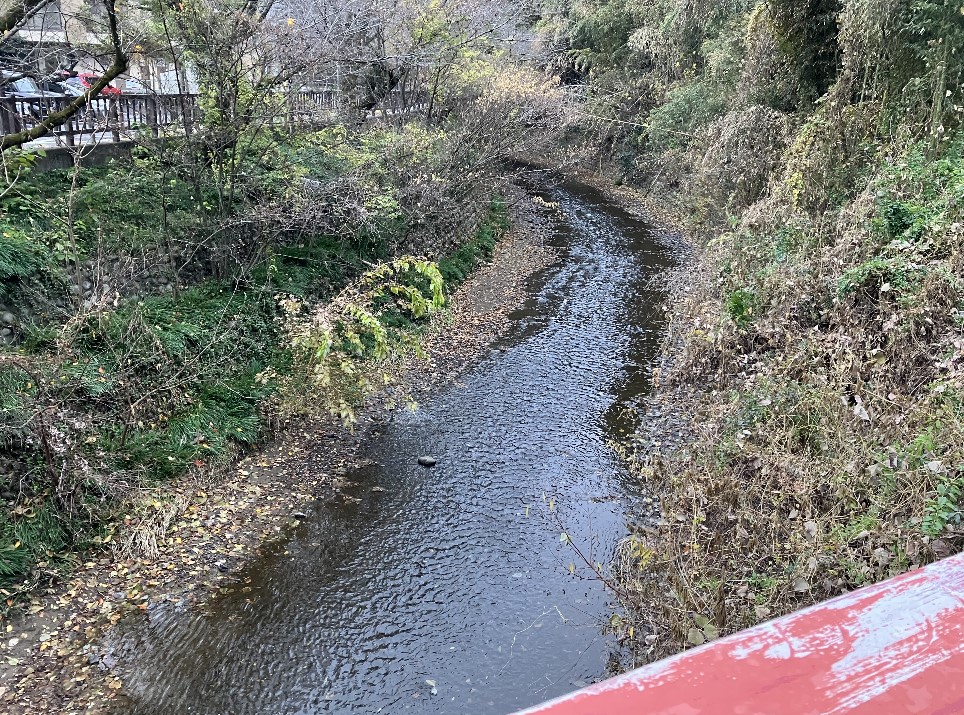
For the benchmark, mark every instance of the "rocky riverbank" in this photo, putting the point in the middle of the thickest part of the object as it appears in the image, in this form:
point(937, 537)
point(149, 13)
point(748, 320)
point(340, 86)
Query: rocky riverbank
point(189, 539)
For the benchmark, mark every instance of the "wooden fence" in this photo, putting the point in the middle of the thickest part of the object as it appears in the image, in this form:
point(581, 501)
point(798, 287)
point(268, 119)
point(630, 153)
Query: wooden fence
point(125, 116)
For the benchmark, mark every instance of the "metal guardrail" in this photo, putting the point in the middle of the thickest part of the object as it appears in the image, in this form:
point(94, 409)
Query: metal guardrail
point(122, 116)
point(893, 648)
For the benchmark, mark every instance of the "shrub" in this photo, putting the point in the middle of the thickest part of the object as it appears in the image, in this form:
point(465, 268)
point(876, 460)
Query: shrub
point(22, 262)
point(687, 109)
point(743, 153)
point(459, 264)
point(880, 275)
point(945, 508)
point(741, 305)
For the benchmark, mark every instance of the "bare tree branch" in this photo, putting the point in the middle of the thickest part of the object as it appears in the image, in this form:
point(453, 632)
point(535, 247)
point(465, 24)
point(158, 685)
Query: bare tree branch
point(56, 119)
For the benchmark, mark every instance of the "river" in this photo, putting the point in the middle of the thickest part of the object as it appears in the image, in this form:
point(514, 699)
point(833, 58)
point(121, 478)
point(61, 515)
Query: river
point(450, 590)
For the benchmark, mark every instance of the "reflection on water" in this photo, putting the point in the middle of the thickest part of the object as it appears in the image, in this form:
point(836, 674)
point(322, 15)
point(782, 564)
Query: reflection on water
point(448, 590)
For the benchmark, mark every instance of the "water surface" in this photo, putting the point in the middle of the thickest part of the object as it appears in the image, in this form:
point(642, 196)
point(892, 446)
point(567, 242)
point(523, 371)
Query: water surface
point(455, 575)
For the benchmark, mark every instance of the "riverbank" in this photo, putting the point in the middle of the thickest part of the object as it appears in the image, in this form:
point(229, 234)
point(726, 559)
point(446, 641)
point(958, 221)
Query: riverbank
point(818, 436)
point(457, 574)
point(198, 536)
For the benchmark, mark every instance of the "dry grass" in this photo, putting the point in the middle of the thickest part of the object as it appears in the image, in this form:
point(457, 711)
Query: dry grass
point(822, 359)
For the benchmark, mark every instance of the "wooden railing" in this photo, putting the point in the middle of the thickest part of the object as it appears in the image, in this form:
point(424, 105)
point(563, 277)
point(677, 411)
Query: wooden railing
point(125, 116)
point(116, 116)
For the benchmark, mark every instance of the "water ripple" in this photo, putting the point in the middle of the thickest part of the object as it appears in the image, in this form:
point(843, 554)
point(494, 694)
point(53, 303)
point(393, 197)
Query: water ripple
point(457, 574)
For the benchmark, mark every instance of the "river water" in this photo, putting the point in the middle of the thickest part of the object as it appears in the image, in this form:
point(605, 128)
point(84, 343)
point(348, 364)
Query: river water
point(449, 590)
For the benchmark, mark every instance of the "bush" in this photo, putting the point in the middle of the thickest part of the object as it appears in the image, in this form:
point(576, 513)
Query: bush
point(459, 264)
point(741, 305)
point(687, 109)
point(743, 152)
point(22, 263)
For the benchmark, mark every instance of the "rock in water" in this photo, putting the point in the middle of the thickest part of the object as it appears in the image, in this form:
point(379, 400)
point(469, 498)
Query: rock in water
point(427, 461)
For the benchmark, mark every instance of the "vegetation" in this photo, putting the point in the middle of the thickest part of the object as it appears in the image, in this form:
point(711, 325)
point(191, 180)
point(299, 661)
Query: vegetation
point(170, 311)
point(167, 312)
point(815, 150)
point(128, 392)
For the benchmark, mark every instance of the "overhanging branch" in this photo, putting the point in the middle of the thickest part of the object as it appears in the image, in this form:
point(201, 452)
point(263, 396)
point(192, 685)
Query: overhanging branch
point(12, 19)
point(56, 119)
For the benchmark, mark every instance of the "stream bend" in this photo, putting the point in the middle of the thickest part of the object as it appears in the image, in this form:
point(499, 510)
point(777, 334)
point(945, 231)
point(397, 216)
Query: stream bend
point(455, 575)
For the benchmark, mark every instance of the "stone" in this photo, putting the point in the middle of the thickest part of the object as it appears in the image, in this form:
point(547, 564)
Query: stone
point(427, 461)
point(4, 332)
point(8, 318)
point(300, 515)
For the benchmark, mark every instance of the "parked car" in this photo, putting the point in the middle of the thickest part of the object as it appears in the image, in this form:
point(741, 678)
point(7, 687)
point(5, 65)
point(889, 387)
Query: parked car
point(76, 86)
point(31, 101)
point(25, 87)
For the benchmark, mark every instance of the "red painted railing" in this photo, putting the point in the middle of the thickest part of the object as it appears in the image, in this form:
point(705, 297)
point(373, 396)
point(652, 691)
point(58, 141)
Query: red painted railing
point(896, 647)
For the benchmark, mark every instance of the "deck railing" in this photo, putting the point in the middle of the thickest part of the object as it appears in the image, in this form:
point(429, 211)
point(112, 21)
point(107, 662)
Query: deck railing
point(124, 116)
